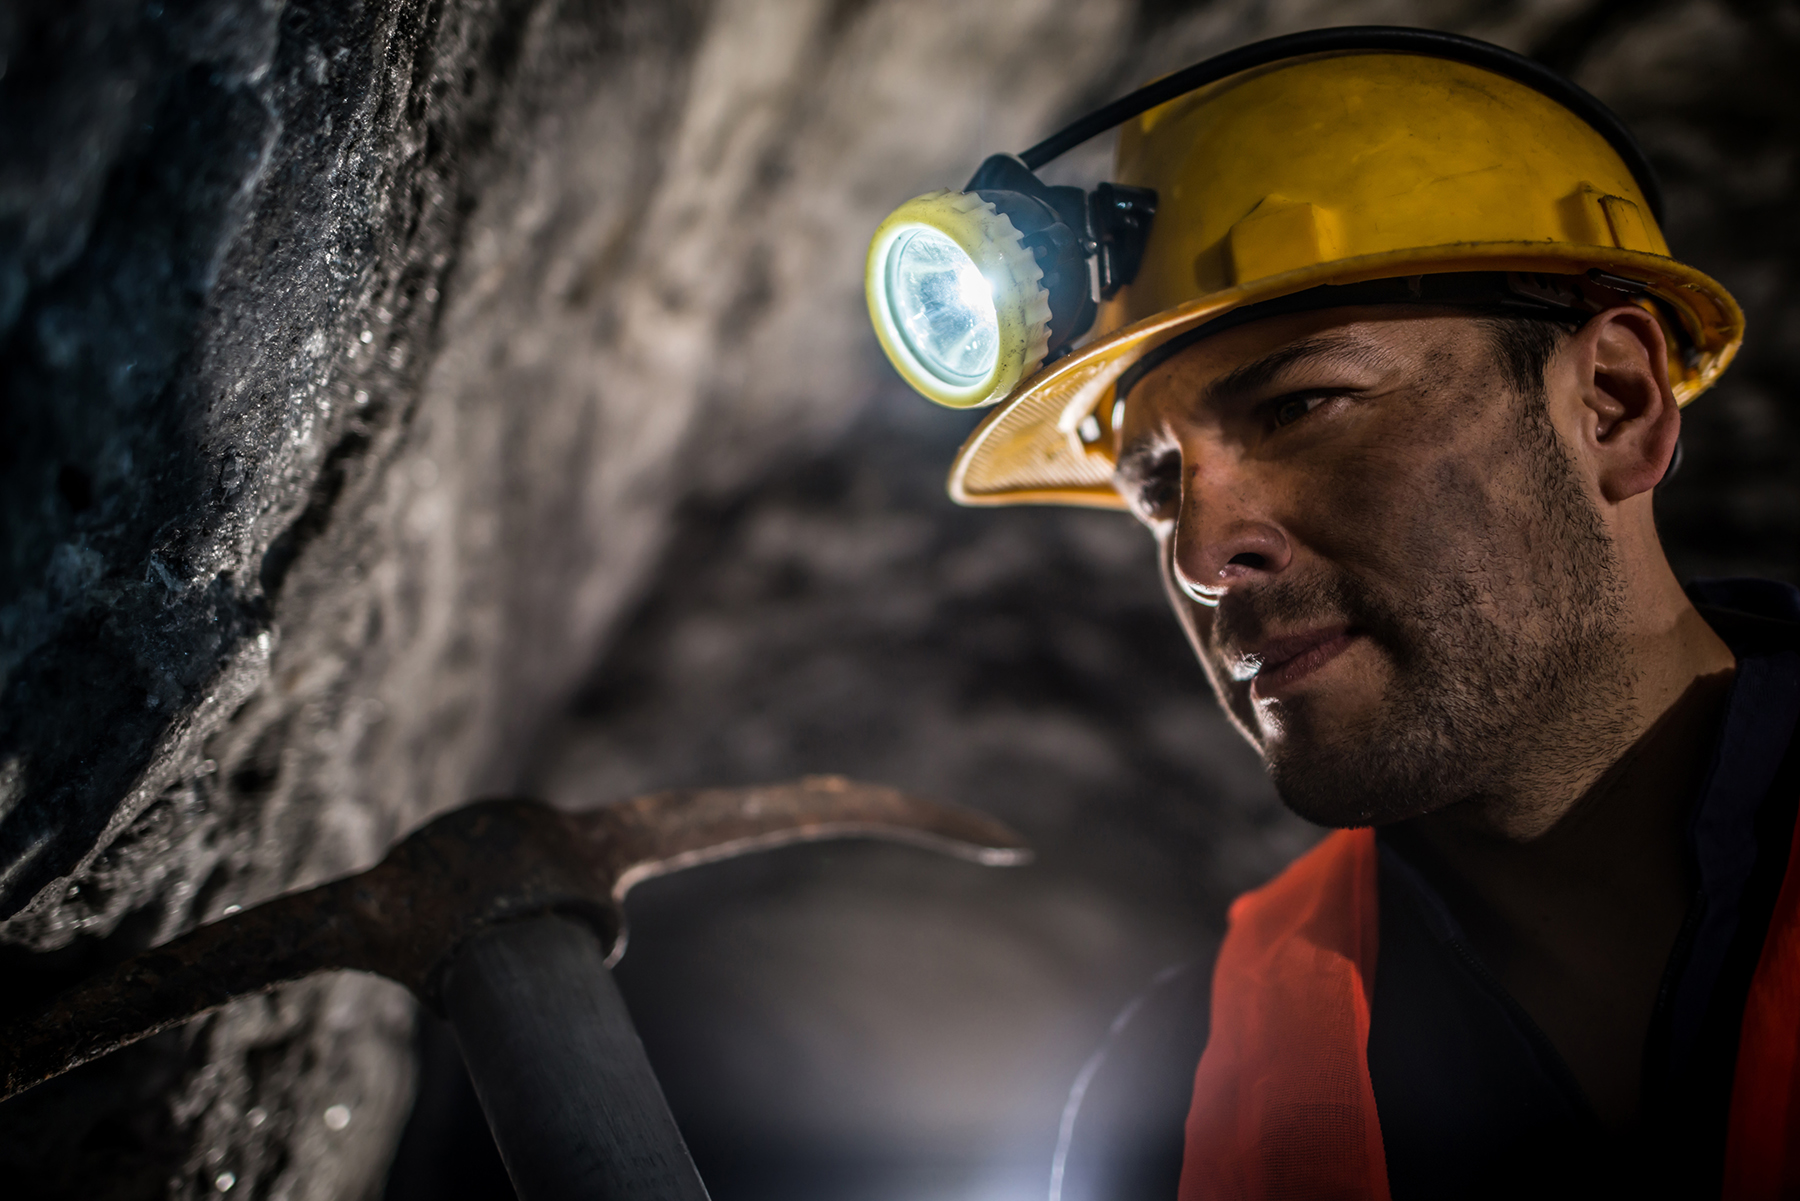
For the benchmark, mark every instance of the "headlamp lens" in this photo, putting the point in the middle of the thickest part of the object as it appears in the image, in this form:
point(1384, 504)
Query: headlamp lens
point(944, 307)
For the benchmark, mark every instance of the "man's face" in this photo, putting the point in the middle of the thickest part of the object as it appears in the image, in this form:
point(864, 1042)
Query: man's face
point(1388, 561)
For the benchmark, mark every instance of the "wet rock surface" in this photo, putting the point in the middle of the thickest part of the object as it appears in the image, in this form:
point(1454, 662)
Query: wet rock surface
point(401, 402)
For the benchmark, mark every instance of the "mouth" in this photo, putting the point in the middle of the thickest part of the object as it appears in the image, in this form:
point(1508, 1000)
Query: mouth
point(1280, 664)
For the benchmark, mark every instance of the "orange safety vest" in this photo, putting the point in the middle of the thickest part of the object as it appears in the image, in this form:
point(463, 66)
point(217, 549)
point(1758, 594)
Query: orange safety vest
point(1283, 1105)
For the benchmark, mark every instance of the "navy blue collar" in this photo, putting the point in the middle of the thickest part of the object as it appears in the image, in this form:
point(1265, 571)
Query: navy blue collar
point(1756, 619)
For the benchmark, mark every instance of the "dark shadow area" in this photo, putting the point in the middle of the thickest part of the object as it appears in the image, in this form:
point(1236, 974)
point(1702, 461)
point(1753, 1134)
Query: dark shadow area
point(446, 1152)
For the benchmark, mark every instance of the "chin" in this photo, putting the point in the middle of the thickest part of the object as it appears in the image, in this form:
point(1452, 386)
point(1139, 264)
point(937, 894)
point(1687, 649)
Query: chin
point(1358, 782)
point(1348, 813)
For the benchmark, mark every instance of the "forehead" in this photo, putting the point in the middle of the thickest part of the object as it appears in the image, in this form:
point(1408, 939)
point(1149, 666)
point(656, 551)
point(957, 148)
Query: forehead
point(1264, 356)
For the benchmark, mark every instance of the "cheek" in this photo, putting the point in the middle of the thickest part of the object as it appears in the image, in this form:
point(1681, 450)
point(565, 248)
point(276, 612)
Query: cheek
point(1363, 510)
point(1421, 492)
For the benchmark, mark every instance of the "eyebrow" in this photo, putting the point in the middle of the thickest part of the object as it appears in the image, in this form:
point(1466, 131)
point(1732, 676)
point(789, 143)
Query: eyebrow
point(1241, 383)
point(1138, 459)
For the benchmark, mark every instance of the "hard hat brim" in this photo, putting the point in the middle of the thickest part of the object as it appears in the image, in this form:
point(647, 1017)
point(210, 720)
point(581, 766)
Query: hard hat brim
point(1029, 451)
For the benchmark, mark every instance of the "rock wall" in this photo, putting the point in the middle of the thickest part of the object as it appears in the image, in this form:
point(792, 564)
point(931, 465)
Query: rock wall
point(402, 401)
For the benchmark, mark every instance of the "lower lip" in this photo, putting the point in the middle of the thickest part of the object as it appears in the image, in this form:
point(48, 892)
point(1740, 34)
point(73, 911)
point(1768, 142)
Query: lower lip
point(1272, 682)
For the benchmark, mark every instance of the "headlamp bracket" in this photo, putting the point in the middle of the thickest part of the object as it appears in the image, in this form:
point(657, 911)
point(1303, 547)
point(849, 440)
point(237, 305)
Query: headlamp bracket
point(1089, 244)
point(1120, 218)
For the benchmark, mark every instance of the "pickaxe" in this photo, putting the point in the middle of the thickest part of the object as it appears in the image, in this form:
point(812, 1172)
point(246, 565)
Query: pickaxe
point(502, 917)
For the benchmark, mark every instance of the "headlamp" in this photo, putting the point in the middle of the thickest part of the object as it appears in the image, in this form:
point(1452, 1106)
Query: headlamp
point(970, 291)
point(959, 303)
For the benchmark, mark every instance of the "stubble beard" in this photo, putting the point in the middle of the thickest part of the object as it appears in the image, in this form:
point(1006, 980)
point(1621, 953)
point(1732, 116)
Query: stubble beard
point(1505, 663)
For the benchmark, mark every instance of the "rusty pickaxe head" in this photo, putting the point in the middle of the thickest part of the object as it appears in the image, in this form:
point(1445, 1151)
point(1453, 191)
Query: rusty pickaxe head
point(466, 872)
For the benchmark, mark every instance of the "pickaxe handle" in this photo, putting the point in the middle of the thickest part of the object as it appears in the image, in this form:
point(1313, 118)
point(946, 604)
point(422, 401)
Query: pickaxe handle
point(564, 1082)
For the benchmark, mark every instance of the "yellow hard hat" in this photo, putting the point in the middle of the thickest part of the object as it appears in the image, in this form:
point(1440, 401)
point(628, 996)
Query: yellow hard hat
point(1340, 167)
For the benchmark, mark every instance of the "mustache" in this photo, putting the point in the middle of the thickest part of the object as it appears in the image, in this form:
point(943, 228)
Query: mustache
point(1246, 619)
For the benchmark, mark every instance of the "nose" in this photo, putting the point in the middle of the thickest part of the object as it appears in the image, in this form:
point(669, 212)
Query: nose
point(1225, 535)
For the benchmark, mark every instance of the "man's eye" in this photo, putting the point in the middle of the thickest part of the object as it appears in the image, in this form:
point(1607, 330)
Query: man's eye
point(1159, 492)
point(1290, 409)
point(1159, 497)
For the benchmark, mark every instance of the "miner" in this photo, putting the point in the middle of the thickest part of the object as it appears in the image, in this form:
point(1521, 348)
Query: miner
point(1377, 333)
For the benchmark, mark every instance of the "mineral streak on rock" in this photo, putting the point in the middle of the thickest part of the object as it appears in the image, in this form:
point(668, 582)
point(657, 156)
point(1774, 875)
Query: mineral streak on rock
point(354, 357)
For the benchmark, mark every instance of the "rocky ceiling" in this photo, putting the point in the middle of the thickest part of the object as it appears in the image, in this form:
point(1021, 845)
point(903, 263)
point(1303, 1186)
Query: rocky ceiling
point(404, 401)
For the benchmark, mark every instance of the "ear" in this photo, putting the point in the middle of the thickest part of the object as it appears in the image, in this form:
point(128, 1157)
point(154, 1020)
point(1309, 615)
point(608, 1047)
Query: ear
point(1628, 418)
